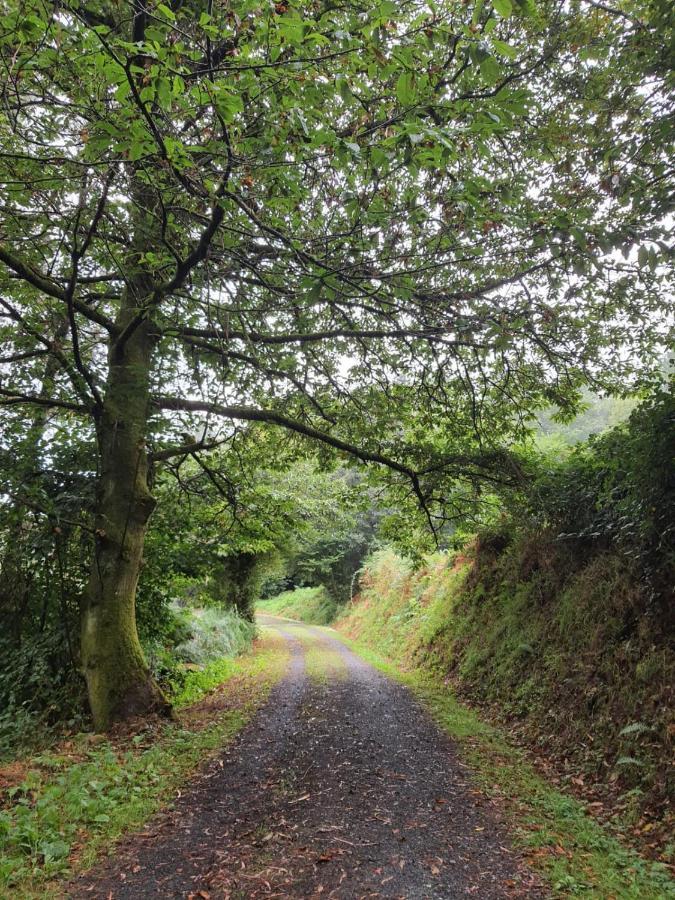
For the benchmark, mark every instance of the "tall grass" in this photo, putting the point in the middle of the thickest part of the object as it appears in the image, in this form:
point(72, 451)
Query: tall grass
point(215, 633)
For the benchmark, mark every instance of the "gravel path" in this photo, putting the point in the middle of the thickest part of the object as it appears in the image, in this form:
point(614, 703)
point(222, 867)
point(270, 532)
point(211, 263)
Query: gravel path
point(341, 787)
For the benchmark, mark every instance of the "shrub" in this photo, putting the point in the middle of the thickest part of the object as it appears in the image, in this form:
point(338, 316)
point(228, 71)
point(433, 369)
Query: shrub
point(39, 688)
point(197, 637)
point(215, 633)
point(617, 492)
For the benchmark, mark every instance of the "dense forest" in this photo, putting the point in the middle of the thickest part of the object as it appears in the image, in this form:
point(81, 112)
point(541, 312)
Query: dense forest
point(354, 314)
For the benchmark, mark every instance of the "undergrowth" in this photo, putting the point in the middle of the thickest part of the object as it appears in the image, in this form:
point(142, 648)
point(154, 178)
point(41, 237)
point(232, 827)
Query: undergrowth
point(40, 693)
point(43, 697)
point(575, 854)
point(199, 638)
point(564, 651)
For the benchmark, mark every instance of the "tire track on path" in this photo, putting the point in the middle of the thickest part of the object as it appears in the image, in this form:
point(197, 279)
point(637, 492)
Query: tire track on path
point(342, 786)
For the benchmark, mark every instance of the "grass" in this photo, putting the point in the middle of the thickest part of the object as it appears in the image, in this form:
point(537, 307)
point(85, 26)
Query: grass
point(75, 801)
point(200, 682)
point(214, 633)
point(322, 662)
point(558, 646)
point(573, 852)
point(310, 605)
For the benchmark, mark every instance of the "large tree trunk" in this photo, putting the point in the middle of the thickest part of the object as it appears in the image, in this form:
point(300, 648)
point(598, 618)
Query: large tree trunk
point(118, 680)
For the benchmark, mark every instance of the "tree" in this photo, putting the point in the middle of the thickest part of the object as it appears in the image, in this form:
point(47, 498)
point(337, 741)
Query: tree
point(230, 516)
point(235, 523)
point(389, 228)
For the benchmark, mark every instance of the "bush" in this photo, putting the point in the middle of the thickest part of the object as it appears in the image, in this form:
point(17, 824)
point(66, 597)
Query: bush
point(39, 689)
point(198, 637)
point(312, 605)
point(617, 492)
point(215, 633)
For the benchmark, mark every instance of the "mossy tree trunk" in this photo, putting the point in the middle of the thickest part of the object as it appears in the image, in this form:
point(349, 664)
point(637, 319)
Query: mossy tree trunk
point(119, 682)
point(236, 582)
point(244, 583)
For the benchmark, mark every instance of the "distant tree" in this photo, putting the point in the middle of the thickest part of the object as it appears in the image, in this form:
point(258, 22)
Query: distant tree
point(597, 415)
point(392, 229)
point(232, 522)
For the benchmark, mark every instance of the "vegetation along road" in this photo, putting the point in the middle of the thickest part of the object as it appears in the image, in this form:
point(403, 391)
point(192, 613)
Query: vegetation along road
point(341, 787)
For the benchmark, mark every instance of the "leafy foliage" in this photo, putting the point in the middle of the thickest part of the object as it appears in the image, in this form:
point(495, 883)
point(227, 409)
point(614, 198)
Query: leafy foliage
point(214, 634)
point(236, 525)
point(304, 184)
point(39, 692)
point(391, 230)
point(618, 491)
point(102, 790)
point(599, 414)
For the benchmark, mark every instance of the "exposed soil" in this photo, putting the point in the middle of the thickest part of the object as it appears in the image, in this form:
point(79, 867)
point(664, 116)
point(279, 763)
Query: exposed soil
point(340, 788)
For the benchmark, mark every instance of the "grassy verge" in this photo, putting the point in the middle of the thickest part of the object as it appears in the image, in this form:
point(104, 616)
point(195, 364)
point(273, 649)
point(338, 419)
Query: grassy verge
point(558, 648)
point(574, 853)
point(73, 802)
point(310, 605)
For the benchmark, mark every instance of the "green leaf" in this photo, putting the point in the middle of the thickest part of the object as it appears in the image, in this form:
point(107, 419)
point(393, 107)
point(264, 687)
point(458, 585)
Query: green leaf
point(229, 105)
point(405, 88)
point(490, 70)
point(169, 13)
point(164, 92)
point(504, 49)
point(579, 237)
point(343, 86)
point(54, 850)
point(503, 8)
point(634, 728)
point(629, 761)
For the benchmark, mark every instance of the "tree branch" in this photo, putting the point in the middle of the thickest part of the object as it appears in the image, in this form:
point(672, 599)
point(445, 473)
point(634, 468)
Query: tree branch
point(47, 286)
point(271, 417)
point(11, 398)
point(183, 450)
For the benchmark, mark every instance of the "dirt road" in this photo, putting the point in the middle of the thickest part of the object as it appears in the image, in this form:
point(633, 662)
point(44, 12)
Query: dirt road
point(341, 787)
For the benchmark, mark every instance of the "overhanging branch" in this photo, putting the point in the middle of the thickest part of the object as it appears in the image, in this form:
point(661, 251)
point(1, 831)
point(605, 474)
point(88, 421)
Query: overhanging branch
point(271, 417)
point(11, 398)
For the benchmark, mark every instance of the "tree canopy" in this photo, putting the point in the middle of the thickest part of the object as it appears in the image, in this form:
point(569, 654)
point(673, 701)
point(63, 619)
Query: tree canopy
point(393, 229)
